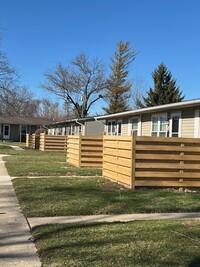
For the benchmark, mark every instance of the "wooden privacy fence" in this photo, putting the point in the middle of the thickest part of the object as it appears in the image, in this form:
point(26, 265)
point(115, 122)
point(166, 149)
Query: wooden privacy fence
point(53, 142)
point(29, 141)
point(85, 151)
point(152, 161)
point(33, 141)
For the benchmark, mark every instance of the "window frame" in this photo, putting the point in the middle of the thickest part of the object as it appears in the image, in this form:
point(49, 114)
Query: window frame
point(174, 114)
point(158, 132)
point(115, 127)
point(139, 125)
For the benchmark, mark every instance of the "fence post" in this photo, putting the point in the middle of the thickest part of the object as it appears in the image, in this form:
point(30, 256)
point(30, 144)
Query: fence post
point(27, 140)
point(44, 148)
point(133, 148)
point(80, 147)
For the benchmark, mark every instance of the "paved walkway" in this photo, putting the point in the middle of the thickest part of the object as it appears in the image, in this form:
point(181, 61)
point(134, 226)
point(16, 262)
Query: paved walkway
point(17, 148)
point(112, 218)
point(16, 247)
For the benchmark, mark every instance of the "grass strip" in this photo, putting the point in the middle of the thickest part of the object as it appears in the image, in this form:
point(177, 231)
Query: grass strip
point(161, 243)
point(90, 196)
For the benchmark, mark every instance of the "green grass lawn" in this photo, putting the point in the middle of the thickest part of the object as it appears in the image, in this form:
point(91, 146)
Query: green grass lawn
point(85, 196)
point(31, 162)
point(160, 243)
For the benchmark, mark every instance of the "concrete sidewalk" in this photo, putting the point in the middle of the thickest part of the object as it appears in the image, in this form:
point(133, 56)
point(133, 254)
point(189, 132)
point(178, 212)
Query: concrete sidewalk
point(112, 218)
point(16, 246)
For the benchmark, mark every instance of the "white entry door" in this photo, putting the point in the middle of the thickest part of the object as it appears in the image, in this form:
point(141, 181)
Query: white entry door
point(6, 132)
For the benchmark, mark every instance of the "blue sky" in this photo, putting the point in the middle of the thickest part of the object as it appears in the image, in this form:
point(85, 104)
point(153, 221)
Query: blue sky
point(38, 34)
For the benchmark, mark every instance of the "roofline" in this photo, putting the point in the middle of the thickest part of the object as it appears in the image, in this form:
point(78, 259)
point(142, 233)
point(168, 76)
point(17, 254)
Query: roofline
point(187, 103)
point(73, 120)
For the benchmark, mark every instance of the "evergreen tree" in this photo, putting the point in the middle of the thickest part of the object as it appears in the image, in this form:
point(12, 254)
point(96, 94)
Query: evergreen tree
point(118, 88)
point(165, 90)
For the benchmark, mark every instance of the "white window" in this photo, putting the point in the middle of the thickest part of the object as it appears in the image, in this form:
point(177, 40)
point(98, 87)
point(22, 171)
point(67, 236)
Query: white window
point(159, 125)
point(135, 125)
point(111, 128)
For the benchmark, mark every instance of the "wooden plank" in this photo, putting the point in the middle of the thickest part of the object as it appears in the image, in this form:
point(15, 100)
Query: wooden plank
point(117, 160)
point(118, 169)
point(91, 164)
point(175, 166)
point(125, 180)
point(120, 145)
point(155, 174)
point(167, 148)
point(118, 153)
point(155, 183)
point(92, 153)
point(114, 137)
point(89, 143)
point(167, 157)
point(168, 140)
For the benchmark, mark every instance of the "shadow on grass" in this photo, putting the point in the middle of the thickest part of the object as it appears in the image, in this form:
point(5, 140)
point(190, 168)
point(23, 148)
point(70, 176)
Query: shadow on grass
point(115, 244)
point(195, 262)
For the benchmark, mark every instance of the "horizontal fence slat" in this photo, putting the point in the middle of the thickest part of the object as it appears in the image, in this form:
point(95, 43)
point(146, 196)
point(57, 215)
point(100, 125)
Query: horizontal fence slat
point(178, 166)
point(167, 157)
point(163, 174)
point(170, 148)
point(164, 183)
point(168, 140)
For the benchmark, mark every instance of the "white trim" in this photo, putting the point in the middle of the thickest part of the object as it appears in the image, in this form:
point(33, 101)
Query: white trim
point(173, 114)
point(160, 108)
point(196, 123)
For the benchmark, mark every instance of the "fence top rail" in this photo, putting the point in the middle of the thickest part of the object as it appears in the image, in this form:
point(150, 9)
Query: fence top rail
point(168, 139)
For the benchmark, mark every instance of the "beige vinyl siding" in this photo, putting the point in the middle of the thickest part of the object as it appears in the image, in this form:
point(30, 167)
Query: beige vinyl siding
point(187, 126)
point(125, 126)
point(146, 125)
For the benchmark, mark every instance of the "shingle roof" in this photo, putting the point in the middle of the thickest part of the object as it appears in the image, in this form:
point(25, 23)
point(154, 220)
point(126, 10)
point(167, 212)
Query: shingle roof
point(24, 121)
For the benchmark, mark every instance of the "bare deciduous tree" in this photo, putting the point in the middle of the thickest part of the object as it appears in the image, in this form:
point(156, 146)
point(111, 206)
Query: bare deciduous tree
point(51, 110)
point(81, 84)
point(138, 92)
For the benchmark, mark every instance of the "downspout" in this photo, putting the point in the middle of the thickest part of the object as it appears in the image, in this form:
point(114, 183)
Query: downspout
point(81, 125)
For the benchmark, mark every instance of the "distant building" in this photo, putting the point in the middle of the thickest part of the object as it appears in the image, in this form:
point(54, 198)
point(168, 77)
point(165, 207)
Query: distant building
point(85, 126)
point(16, 128)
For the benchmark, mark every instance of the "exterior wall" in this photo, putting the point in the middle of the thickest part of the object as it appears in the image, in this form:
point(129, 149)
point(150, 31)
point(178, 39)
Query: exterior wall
point(125, 126)
point(14, 133)
point(146, 125)
point(187, 126)
point(187, 122)
point(94, 128)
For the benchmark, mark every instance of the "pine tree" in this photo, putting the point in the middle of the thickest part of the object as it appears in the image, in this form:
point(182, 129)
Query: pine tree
point(165, 90)
point(118, 88)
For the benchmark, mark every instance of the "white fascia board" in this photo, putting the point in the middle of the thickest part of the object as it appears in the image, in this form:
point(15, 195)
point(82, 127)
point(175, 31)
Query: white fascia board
point(188, 103)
